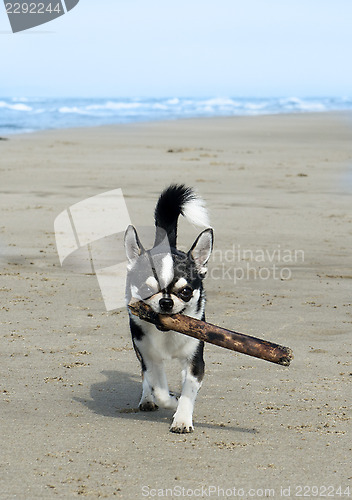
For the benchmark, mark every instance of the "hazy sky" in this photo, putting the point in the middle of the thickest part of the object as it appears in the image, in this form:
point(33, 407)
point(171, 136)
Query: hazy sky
point(184, 48)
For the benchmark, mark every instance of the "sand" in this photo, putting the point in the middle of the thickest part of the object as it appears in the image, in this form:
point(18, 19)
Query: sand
point(69, 378)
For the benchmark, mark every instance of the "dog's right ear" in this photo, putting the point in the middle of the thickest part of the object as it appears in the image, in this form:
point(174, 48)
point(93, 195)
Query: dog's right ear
point(133, 246)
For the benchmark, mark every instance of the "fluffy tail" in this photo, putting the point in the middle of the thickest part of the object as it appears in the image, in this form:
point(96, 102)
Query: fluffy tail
point(174, 201)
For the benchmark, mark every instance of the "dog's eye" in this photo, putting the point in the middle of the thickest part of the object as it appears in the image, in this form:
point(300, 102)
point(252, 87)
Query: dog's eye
point(186, 293)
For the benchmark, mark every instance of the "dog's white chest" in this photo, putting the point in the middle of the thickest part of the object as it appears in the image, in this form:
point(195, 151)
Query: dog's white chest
point(166, 345)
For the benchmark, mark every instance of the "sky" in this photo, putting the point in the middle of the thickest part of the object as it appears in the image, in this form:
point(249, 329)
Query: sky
point(223, 48)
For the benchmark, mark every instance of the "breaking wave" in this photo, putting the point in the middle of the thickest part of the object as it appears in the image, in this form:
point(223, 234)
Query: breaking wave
point(23, 114)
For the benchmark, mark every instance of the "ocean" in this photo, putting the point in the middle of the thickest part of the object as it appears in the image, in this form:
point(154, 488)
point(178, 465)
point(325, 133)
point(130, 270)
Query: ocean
point(22, 114)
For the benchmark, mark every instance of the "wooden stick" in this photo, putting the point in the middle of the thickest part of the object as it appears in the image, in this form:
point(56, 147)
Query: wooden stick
point(207, 332)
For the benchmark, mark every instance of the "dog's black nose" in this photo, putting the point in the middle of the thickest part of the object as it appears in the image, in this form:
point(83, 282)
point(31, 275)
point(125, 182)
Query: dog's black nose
point(166, 304)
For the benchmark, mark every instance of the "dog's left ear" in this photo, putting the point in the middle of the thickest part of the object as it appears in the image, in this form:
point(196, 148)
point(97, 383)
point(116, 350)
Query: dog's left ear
point(201, 251)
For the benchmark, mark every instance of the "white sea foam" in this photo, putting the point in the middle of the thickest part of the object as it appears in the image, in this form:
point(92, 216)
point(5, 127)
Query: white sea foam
point(295, 103)
point(19, 114)
point(15, 107)
point(73, 109)
point(115, 105)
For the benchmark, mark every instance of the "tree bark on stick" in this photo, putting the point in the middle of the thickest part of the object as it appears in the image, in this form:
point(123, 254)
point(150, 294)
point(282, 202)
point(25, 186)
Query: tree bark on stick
point(213, 334)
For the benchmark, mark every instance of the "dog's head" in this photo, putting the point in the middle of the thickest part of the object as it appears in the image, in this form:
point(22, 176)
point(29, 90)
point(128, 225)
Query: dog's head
point(168, 280)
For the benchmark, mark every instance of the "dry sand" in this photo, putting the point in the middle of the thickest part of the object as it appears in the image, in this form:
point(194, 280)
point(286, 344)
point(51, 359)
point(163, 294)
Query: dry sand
point(68, 373)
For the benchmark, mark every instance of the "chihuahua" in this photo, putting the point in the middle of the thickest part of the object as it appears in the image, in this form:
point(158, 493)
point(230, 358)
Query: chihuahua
point(169, 281)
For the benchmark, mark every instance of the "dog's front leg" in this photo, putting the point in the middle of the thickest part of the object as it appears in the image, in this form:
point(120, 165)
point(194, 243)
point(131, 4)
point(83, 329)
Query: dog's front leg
point(192, 375)
point(155, 388)
point(182, 421)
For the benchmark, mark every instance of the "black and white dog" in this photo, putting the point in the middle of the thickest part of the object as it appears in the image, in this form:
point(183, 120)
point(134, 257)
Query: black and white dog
point(170, 281)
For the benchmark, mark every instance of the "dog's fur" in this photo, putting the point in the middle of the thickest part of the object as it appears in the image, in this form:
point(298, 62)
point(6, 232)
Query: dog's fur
point(170, 281)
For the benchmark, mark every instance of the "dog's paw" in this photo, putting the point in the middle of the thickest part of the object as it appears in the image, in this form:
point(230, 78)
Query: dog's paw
point(181, 429)
point(148, 406)
point(181, 424)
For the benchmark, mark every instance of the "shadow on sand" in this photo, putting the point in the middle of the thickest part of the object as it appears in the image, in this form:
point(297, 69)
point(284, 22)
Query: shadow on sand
point(113, 397)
